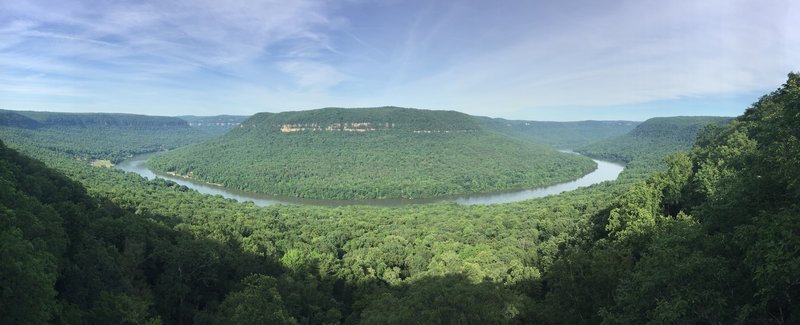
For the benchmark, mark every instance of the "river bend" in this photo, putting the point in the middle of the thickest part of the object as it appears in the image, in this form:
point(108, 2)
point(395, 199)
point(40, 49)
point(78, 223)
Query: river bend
point(605, 171)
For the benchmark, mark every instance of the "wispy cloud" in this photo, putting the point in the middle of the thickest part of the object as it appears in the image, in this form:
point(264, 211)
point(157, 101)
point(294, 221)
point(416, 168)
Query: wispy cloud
point(638, 52)
point(314, 75)
point(159, 40)
point(511, 59)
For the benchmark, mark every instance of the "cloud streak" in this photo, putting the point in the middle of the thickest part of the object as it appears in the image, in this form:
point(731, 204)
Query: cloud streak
point(511, 59)
point(640, 52)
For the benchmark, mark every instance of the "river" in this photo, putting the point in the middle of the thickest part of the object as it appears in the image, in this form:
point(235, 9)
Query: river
point(605, 171)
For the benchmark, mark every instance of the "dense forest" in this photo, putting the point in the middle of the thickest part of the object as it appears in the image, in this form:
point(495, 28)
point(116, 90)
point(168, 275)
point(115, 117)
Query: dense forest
point(89, 136)
point(370, 153)
point(711, 238)
point(216, 258)
point(560, 135)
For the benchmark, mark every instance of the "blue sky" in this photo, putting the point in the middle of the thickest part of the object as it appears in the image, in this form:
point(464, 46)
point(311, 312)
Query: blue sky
point(536, 60)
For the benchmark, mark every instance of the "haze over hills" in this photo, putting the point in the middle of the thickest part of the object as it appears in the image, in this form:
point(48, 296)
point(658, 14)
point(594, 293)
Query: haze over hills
point(32, 119)
point(106, 136)
point(561, 135)
point(653, 138)
point(216, 125)
point(386, 152)
point(643, 149)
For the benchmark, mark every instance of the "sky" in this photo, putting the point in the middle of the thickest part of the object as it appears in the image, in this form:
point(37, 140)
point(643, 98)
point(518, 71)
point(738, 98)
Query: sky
point(534, 60)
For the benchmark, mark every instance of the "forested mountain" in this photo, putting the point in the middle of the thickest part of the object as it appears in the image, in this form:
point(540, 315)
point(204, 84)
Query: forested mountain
point(15, 119)
point(712, 239)
point(387, 152)
point(104, 136)
point(215, 125)
point(561, 135)
point(653, 138)
point(387, 118)
point(88, 120)
point(645, 147)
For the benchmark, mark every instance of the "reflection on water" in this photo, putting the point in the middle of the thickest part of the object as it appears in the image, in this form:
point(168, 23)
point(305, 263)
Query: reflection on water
point(605, 171)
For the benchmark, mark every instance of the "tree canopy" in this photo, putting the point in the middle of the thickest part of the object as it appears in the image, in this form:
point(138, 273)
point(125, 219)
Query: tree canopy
point(711, 238)
point(370, 153)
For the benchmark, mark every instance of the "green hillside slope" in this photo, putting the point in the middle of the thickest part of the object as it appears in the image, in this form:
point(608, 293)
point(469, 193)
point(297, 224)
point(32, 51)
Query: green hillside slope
point(561, 135)
point(714, 239)
point(646, 146)
point(106, 136)
point(387, 152)
point(655, 137)
point(88, 120)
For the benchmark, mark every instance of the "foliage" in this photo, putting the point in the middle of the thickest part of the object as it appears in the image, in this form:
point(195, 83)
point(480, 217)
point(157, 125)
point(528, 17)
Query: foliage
point(257, 302)
point(327, 263)
point(644, 148)
point(712, 238)
point(398, 153)
point(88, 136)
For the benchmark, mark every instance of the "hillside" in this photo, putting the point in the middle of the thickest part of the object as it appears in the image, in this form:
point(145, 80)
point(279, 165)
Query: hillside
point(711, 240)
point(388, 152)
point(89, 120)
point(92, 136)
point(655, 137)
point(71, 258)
point(15, 119)
point(651, 141)
point(560, 135)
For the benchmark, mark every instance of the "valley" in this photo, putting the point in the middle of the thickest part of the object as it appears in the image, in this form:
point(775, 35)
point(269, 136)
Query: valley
point(677, 224)
point(380, 162)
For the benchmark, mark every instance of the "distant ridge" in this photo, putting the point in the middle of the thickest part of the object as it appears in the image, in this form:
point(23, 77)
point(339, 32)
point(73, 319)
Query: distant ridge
point(105, 136)
point(646, 146)
point(656, 135)
point(364, 119)
point(561, 135)
point(214, 125)
point(99, 119)
point(680, 128)
point(15, 119)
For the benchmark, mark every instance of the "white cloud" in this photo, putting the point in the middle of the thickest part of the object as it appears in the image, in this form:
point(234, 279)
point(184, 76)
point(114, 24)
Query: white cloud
point(166, 36)
point(312, 75)
point(479, 58)
point(639, 52)
point(131, 55)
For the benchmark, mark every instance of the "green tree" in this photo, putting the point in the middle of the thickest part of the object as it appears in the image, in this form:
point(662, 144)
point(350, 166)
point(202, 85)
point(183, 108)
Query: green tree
point(27, 278)
point(257, 301)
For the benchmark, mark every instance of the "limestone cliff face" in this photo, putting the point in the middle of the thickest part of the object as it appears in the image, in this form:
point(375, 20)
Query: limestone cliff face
point(361, 120)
